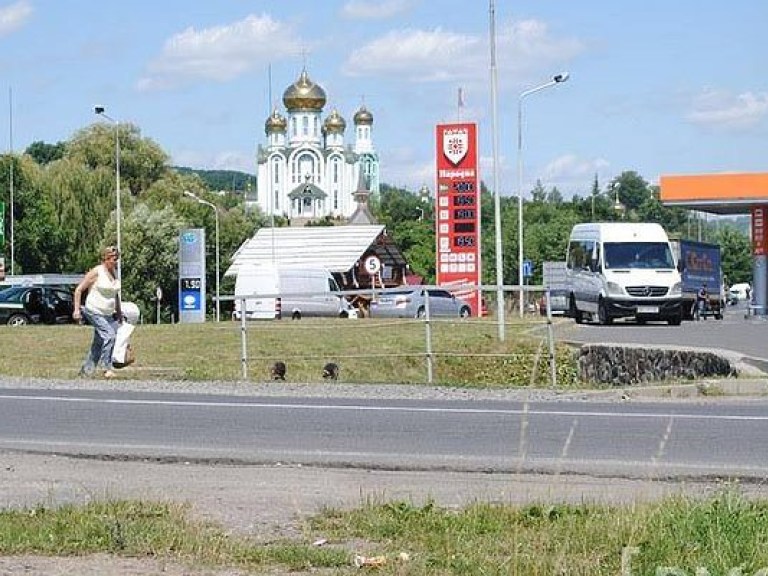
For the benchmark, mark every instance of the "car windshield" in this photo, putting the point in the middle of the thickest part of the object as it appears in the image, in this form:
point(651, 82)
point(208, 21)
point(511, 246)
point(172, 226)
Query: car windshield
point(638, 255)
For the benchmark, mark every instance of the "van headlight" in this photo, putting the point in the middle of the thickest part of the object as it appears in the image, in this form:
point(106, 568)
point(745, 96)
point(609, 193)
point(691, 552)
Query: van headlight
point(614, 289)
point(677, 289)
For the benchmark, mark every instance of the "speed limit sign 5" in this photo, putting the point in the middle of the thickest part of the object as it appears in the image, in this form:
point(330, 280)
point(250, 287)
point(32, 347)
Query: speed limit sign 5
point(372, 265)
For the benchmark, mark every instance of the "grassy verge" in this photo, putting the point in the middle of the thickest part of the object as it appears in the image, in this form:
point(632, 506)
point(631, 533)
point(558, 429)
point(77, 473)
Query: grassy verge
point(717, 534)
point(464, 353)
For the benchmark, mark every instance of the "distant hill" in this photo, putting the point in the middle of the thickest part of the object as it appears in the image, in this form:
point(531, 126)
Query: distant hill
point(230, 180)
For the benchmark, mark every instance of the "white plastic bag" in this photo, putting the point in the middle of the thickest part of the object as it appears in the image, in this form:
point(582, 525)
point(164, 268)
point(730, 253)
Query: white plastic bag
point(122, 354)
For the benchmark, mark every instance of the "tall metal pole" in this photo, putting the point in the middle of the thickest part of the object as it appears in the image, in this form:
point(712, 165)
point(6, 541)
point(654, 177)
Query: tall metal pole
point(216, 219)
point(520, 276)
point(118, 212)
point(10, 187)
point(496, 201)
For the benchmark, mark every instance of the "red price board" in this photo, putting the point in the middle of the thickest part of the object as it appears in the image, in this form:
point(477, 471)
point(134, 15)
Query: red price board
point(457, 210)
point(759, 236)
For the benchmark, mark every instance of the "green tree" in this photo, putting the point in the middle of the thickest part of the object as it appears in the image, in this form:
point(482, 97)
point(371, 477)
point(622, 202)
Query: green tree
point(735, 255)
point(632, 191)
point(142, 162)
point(44, 153)
point(83, 202)
point(150, 243)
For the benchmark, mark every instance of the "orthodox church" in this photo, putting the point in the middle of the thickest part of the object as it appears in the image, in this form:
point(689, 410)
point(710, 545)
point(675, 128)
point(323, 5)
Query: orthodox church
point(306, 169)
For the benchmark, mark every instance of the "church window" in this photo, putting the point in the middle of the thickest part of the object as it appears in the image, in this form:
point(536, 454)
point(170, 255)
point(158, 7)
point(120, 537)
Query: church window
point(306, 166)
point(294, 127)
point(305, 125)
point(335, 199)
point(277, 199)
point(276, 170)
point(335, 171)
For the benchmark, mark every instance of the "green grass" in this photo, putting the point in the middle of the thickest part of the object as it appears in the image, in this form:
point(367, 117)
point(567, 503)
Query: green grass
point(718, 534)
point(464, 353)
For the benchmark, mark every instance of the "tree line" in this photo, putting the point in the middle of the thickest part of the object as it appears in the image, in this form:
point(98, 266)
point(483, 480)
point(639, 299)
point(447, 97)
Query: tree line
point(65, 204)
point(547, 222)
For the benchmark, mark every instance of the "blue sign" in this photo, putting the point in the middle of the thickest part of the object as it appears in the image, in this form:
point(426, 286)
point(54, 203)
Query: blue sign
point(191, 300)
point(527, 268)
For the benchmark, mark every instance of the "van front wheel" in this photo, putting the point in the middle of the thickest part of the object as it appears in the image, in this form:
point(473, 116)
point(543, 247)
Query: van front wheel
point(575, 313)
point(603, 317)
point(296, 315)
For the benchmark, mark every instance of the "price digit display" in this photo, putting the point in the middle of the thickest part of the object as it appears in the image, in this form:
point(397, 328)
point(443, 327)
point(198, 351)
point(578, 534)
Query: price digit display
point(464, 227)
point(463, 241)
point(191, 284)
point(464, 214)
point(464, 200)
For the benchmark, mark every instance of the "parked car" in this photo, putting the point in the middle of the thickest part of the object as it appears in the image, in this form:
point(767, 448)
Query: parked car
point(738, 292)
point(558, 302)
point(35, 304)
point(411, 303)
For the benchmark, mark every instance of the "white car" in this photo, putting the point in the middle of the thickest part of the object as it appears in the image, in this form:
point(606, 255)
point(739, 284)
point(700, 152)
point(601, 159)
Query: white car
point(738, 292)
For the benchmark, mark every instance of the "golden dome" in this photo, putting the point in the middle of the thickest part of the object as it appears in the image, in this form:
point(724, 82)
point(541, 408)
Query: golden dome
point(275, 123)
point(363, 116)
point(334, 123)
point(304, 95)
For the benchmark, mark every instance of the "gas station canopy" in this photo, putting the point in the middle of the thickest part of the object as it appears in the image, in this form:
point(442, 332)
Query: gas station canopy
point(728, 193)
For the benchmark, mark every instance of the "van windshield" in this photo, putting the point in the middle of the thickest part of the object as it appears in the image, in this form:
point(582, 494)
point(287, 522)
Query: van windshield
point(637, 255)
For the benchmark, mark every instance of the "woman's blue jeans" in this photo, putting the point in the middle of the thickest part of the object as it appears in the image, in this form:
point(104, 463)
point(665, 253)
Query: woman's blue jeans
point(104, 332)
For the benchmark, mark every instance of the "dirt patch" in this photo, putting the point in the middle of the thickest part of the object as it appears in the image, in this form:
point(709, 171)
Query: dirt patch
point(264, 502)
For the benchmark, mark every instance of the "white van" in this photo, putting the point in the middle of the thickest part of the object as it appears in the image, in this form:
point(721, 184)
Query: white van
point(289, 291)
point(622, 269)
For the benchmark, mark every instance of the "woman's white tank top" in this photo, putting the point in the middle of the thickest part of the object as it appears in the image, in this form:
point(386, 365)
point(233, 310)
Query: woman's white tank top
point(103, 293)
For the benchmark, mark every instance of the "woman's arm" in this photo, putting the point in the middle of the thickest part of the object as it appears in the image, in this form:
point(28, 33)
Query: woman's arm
point(85, 284)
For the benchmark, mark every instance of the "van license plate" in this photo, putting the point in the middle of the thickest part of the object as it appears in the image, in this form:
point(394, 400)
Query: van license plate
point(647, 309)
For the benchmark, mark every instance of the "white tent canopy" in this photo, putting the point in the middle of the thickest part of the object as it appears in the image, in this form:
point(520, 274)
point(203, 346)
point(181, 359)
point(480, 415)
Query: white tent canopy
point(337, 248)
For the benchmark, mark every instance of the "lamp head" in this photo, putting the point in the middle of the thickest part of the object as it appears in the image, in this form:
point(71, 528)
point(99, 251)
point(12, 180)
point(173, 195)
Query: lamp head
point(98, 109)
point(559, 78)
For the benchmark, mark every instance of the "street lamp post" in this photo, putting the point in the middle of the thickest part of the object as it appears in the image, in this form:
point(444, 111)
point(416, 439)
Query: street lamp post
point(216, 219)
point(99, 110)
point(559, 78)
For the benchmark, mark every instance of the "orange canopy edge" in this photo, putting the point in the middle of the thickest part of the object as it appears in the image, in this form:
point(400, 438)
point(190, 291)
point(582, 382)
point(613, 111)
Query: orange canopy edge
point(737, 187)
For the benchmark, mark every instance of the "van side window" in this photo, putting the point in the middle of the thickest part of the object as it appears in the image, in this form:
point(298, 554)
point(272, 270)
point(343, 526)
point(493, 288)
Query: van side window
point(579, 254)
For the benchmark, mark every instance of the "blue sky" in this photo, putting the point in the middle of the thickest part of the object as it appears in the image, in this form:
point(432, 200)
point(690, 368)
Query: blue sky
point(656, 86)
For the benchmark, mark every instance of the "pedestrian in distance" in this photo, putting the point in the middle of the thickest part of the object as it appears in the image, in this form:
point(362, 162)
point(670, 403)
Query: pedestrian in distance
point(702, 298)
point(101, 310)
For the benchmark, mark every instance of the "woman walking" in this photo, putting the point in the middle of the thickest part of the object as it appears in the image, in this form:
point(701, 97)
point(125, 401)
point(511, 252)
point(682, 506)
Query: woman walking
point(101, 310)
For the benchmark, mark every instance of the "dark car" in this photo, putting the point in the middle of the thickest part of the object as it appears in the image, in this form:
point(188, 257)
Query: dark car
point(20, 305)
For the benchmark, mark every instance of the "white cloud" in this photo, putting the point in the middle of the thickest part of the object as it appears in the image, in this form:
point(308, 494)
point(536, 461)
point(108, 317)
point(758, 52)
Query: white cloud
point(572, 174)
point(227, 160)
point(529, 45)
point(420, 55)
point(220, 53)
point(440, 55)
point(721, 109)
point(13, 16)
point(371, 10)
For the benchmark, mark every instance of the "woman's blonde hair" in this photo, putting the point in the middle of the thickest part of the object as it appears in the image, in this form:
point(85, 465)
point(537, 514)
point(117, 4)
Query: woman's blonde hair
point(110, 251)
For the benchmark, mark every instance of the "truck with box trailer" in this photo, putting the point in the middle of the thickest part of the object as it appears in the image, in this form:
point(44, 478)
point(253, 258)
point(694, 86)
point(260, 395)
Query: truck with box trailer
point(699, 264)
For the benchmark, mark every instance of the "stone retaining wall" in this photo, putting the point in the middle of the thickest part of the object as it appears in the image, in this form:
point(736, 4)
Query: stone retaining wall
point(621, 366)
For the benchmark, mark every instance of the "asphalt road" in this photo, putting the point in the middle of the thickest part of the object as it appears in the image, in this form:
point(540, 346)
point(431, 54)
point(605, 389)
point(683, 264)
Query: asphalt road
point(743, 337)
point(604, 438)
